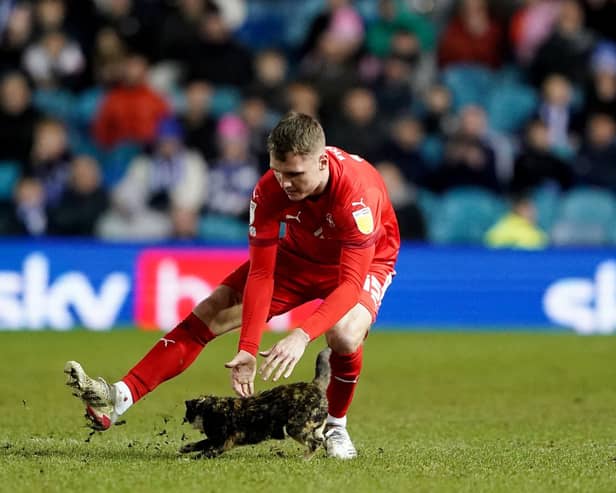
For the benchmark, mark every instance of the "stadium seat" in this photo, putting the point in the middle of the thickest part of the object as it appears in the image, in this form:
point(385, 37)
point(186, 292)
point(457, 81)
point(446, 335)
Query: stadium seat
point(546, 200)
point(429, 204)
point(9, 174)
point(54, 102)
point(86, 106)
point(509, 106)
point(585, 217)
point(116, 162)
point(225, 100)
point(469, 84)
point(464, 216)
point(432, 150)
point(215, 227)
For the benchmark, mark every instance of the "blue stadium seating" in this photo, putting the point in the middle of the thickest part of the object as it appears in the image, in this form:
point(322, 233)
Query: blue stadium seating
point(464, 216)
point(214, 227)
point(469, 84)
point(586, 216)
point(9, 174)
point(510, 106)
point(547, 201)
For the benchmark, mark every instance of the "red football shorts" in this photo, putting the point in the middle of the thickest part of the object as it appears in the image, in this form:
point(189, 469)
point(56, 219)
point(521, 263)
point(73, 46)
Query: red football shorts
point(297, 281)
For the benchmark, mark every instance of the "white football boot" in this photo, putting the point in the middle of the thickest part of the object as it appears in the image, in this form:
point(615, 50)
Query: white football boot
point(97, 395)
point(338, 443)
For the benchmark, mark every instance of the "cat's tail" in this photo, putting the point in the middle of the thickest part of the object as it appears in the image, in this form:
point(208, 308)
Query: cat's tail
point(322, 373)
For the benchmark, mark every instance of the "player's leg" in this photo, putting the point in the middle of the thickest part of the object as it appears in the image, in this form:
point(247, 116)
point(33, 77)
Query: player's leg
point(172, 354)
point(345, 339)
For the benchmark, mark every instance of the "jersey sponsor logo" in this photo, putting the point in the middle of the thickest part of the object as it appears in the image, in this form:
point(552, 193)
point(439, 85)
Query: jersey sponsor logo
point(296, 217)
point(363, 219)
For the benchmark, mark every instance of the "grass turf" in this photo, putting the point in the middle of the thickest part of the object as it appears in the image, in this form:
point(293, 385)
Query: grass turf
point(434, 412)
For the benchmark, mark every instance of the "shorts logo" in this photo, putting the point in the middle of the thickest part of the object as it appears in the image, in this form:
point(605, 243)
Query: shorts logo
point(363, 219)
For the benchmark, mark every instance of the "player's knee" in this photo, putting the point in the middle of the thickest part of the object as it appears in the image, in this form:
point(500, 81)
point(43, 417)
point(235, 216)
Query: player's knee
point(215, 309)
point(343, 342)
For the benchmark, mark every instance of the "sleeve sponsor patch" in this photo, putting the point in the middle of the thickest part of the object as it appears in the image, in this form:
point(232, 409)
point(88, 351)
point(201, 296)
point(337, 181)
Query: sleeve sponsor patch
point(363, 219)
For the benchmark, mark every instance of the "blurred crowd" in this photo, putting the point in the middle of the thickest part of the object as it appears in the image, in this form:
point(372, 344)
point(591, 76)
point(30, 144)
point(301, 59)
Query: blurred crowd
point(147, 119)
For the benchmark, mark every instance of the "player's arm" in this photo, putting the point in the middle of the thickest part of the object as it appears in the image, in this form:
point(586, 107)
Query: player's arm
point(263, 239)
point(257, 295)
point(354, 266)
point(284, 355)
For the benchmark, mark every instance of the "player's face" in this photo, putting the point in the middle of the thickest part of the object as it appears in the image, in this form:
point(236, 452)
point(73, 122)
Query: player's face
point(301, 176)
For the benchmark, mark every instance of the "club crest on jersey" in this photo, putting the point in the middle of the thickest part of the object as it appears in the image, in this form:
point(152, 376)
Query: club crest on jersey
point(363, 219)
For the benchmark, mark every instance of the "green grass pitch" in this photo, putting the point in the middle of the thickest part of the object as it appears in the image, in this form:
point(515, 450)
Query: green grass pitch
point(493, 412)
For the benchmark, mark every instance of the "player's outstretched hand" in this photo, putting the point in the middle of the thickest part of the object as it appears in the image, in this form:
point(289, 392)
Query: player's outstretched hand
point(243, 370)
point(284, 355)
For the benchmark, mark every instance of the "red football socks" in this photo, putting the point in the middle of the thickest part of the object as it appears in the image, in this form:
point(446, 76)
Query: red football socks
point(169, 357)
point(345, 370)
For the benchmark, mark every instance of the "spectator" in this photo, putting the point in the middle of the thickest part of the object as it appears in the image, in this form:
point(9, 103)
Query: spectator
point(469, 157)
point(17, 118)
point(254, 112)
point(568, 48)
point(392, 19)
point(518, 228)
point(180, 31)
point(218, 58)
point(108, 58)
point(402, 194)
point(55, 62)
point(198, 124)
point(536, 164)
point(271, 68)
point(393, 88)
point(234, 173)
point(332, 71)
point(302, 97)
point(136, 31)
point(160, 195)
point(50, 15)
point(601, 17)
point(601, 92)
point(402, 148)
point(339, 17)
point(472, 36)
point(530, 26)
point(596, 161)
point(26, 215)
point(82, 202)
point(50, 159)
point(357, 128)
point(436, 111)
point(131, 111)
point(15, 36)
point(555, 110)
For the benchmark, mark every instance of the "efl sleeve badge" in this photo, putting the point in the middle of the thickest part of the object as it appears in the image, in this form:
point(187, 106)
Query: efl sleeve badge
point(363, 219)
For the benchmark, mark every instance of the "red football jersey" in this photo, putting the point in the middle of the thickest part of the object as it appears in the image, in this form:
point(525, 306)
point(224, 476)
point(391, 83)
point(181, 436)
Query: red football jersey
point(347, 228)
point(354, 211)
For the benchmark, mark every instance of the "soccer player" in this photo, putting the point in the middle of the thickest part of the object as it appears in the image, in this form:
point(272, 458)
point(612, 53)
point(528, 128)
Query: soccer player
point(340, 245)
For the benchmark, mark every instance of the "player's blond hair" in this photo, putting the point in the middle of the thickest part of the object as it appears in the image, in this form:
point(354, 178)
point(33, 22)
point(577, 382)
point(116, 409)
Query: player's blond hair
point(297, 133)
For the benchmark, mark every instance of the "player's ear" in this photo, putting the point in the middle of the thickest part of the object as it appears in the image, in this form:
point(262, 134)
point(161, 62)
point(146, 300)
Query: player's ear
point(323, 161)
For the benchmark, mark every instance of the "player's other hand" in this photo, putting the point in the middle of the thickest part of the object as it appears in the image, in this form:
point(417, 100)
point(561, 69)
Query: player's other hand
point(284, 355)
point(243, 370)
